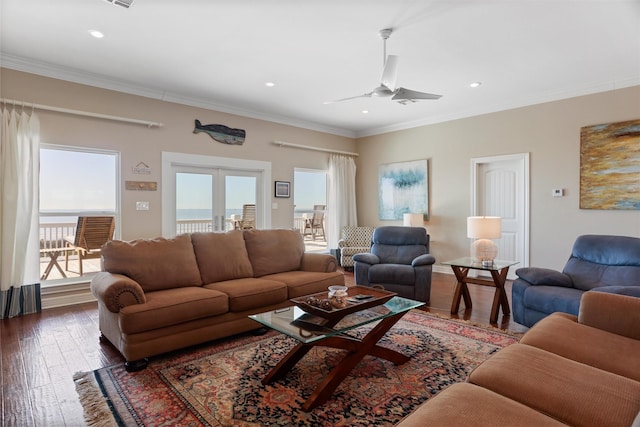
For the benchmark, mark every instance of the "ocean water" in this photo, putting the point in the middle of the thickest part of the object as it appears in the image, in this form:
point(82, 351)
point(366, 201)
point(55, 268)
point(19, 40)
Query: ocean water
point(181, 214)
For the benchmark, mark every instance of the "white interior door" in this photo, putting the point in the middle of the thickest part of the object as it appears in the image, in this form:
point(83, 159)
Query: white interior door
point(501, 188)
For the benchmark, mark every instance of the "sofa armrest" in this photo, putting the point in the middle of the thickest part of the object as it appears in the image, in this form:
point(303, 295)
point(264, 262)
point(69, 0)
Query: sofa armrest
point(342, 243)
point(426, 259)
point(116, 291)
point(618, 314)
point(324, 263)
point(367, 258)
point(544, 276)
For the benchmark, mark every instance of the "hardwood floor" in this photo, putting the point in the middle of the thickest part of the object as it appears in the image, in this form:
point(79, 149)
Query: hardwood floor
point(41, 352)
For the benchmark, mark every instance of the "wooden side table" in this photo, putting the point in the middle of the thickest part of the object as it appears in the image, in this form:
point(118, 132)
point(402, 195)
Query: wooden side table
point(498, 271)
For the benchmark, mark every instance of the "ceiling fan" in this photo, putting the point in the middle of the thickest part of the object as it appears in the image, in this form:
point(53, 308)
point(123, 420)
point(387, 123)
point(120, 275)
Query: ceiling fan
point(387, 86)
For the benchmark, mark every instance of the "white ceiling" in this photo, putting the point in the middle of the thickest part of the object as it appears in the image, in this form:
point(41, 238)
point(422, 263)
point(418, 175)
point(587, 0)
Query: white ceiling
point(219, 53)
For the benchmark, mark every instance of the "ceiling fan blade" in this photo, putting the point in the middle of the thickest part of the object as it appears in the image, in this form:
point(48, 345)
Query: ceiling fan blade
point(408, 94)
point(364, 95)
point(390, 72)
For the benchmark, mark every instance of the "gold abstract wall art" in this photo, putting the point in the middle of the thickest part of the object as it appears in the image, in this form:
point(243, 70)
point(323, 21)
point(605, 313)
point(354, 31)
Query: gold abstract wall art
point(610, 166)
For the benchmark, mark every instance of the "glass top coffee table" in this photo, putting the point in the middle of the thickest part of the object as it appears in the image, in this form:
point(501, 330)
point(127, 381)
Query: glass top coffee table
point(311, 330)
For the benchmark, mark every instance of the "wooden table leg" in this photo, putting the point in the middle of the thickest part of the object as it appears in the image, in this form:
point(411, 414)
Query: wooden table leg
point(53, 262)
point(462, 290)
point(356, 350)
point(287, 362)
point(500, 296)
point(368, 345)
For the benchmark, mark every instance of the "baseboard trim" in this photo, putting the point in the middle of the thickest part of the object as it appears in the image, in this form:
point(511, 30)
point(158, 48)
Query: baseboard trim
point(64, 295)
point(445, 269)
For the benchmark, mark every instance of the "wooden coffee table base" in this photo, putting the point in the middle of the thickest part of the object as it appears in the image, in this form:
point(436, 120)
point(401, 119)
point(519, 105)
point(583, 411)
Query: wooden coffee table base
point(356, 350)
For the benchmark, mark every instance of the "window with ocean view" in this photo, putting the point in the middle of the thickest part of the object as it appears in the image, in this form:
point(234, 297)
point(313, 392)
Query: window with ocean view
point(73, 182)
point(309, 190)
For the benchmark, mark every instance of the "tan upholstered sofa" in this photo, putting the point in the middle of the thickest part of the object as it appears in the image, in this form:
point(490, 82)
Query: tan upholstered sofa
point(567, 370)
point(159, 295)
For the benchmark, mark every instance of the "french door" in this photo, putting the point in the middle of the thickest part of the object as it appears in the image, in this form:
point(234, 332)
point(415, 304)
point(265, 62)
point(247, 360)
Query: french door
point(204, 193)
point(209, 199)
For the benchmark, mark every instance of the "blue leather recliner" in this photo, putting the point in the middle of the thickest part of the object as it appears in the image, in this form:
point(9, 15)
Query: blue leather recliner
point(399, 261)
point(597, 263)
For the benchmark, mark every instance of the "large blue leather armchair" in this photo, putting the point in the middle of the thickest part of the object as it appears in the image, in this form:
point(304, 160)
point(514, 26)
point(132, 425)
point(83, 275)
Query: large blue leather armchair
point(399, 261)
point(597, 263)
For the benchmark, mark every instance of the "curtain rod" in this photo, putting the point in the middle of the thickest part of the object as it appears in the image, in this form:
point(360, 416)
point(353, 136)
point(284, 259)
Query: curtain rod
point(81, 113)
point(308, 147)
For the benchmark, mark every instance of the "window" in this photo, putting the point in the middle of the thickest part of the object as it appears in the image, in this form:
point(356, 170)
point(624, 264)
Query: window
point(309, 189)
point(74, 182)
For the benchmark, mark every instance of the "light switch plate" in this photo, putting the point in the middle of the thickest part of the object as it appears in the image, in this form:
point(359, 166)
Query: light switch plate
point(142, 206)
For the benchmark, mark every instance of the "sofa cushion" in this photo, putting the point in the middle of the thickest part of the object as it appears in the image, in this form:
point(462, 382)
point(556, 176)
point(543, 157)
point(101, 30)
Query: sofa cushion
point(392, 273)
point(549, 299)
point(155, 264)
point(631, 291)
point(300, 283)
point(221, 256)
point(466, 404)
point(172, 306)
point(250, 293)
point(569, 391)
point(599, 260)
point(560, 334)
point(544, 276)
point(274, 251)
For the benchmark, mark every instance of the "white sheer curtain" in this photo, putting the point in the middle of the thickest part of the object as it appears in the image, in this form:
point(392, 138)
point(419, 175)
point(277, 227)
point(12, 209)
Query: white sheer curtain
point(342, 196)
point(19, 216)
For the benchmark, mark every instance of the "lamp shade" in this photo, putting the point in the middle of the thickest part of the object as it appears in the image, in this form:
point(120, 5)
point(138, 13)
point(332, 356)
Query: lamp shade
point(413, 220)
point(484, 227)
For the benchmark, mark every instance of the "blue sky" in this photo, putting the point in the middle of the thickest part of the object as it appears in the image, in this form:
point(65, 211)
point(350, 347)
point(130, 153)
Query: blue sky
point(74, 180)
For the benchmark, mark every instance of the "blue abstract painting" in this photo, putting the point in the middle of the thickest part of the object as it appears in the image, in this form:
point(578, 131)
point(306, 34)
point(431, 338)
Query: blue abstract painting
point(403, 188)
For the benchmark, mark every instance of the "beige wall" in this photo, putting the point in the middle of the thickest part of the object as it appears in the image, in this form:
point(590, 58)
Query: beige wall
point(550, 132)
point(138, 143)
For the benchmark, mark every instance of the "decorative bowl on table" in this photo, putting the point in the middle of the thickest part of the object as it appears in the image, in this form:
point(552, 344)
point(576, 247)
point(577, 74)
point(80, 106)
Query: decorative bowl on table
point(311, 303)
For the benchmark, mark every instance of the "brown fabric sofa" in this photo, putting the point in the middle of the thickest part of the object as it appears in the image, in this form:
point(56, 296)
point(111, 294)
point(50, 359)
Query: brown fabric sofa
point(566, 370)
point(159, 295)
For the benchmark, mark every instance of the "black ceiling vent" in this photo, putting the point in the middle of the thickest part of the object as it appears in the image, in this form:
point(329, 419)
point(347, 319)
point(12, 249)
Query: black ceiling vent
point(123, 3)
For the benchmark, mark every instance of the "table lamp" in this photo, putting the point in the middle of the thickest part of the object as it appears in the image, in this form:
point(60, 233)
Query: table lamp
point(413, 220)
point(484, 228)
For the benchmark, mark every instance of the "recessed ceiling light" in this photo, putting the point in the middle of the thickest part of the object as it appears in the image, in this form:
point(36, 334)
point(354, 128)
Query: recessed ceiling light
point(97, 34)
point(270, 84)
point(365, 111)
point(475, 84)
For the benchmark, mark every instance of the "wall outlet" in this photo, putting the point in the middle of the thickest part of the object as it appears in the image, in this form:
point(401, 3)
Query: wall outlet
point(558, 192)
point(142, 206)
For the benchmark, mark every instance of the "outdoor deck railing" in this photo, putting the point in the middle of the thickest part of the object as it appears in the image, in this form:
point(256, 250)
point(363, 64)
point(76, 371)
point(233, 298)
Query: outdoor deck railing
point(52, 234)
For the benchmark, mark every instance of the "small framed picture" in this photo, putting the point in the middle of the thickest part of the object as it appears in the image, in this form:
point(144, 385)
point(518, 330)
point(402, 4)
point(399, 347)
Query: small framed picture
point(282, 189)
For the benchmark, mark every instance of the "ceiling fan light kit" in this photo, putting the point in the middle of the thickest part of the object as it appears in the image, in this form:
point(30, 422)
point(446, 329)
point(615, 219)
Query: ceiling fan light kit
point(388, 79)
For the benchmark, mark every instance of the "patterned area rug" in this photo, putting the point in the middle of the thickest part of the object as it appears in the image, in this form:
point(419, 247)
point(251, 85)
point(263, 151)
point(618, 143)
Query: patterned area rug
point(220, 384)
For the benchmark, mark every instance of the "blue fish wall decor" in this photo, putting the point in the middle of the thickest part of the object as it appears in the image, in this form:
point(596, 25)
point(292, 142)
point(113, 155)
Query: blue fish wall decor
point(221, 133)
